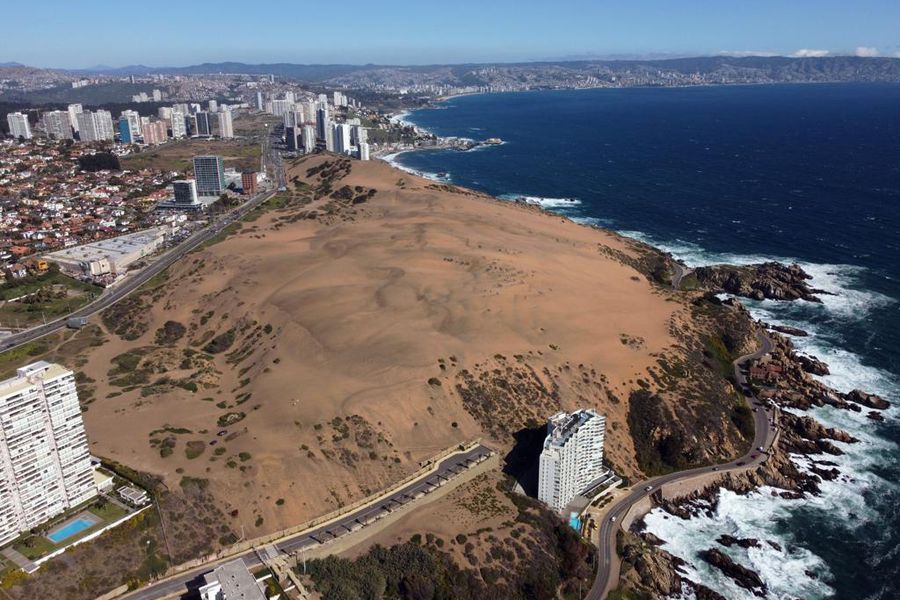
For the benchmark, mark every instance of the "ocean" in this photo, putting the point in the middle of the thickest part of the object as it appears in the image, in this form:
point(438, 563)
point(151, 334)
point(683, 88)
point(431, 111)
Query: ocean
point(797, 173)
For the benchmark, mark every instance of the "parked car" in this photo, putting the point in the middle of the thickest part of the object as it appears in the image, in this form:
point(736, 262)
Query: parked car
point(648, 488)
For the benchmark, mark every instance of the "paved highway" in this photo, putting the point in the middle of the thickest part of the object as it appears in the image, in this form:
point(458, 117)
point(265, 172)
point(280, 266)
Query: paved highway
point(188, 582)
point(119, 291)
point(608, 561)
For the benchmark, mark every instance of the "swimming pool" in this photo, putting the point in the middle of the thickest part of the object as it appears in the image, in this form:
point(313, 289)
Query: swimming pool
point(70, 529)
point(574, 521)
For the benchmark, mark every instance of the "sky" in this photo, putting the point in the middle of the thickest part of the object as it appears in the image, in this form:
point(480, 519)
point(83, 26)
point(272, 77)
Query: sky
point(66, 34)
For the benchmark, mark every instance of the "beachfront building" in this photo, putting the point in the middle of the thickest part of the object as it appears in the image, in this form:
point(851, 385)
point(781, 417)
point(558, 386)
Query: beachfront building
point(209, 173)
point(572, 457)
point(231, 581)
point(18, 125)
point(45, 467)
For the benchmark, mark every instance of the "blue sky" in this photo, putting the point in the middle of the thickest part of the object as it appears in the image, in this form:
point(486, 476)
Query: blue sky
point(63, 33)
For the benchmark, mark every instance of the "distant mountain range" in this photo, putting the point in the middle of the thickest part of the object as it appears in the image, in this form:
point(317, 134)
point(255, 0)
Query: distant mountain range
point(729, 69)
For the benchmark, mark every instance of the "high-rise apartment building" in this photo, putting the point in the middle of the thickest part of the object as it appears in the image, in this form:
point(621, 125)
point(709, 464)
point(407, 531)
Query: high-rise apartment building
point(126, 134)
point(209, 173)
point(154, 132)
point(342, 138)
point(95, 126)
point(203, 125)
point(226, 127)
point(179, 130)
point(134, 120)
point(260, 101)
point(57, 125)
point(309, 138)
point(323, 121)
point(74, 110)
point(213, 106)
point(572, 457)
point(292, 138)
point(363, 151)
point(18, 125)
point(45, 467)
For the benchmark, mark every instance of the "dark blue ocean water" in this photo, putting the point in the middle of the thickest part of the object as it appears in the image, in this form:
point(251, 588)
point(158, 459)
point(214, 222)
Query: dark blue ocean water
point(809, 173)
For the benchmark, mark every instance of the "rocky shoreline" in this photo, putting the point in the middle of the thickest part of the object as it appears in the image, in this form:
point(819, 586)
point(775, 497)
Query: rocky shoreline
point(769, 280)
point(783, 380)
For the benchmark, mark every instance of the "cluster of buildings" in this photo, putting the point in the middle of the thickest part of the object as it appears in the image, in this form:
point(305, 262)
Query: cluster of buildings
point(47, 203)
point(171, 122)
point(319, 123)
point(571, 461)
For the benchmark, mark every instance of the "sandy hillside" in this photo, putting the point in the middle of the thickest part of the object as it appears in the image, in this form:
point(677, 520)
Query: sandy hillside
point(340, 339)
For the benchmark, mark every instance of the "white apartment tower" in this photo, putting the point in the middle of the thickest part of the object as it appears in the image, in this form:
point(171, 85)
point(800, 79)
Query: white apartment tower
point(179, 130)
point(57, 125)
point(74, 110)
point(572, 457)
point(45, 467)
point(95, 126)
point(18, 125)
point(226, 127)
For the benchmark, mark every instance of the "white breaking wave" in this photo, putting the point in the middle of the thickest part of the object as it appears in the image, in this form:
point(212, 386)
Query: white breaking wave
point(795, 571)
point(391, 159)
point(549, 203)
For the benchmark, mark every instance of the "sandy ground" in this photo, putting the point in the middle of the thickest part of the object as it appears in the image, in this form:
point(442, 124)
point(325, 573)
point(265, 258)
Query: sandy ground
point(361, 306)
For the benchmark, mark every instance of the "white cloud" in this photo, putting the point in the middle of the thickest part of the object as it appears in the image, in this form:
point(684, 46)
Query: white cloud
point(810, 53)
point(867, 51)
point(744, 53)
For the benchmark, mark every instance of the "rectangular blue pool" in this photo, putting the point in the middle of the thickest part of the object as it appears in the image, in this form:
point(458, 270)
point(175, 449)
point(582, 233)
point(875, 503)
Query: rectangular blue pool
point(70, 529)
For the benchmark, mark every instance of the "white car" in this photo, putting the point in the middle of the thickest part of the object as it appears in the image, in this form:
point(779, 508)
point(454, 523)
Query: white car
point(648, 488)
point(612, 519)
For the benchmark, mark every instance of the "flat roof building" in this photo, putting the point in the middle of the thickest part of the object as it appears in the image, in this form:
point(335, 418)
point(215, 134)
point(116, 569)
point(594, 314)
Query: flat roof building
point(572, 457)
point(45, 466)
point(113, 255)
point(231, 581)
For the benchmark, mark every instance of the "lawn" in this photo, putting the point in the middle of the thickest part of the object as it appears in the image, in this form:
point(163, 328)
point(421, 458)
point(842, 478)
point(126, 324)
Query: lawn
point(242, 155)
point(72, 293)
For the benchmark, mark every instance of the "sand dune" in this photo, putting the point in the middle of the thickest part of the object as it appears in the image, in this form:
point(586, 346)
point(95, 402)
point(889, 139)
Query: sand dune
point(351, 313)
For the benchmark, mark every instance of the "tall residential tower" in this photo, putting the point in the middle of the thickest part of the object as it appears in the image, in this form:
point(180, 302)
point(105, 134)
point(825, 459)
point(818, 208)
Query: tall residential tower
point(45, 467)
point(572, 457)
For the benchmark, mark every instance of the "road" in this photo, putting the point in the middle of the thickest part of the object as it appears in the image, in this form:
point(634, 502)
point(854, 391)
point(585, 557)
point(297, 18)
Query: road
point(607, 561)
point(188, 582)
point(119, 291)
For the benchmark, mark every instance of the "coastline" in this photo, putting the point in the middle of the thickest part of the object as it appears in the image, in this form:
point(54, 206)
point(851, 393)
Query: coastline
point(846, 372)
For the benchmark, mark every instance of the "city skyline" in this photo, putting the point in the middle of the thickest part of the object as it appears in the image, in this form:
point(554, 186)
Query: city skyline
point(502, 32)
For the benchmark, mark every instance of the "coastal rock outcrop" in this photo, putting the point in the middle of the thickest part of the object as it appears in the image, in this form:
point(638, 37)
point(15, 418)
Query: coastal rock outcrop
point(729, 540)
point(770, 280)
point(741, 575)
point(867, 400)
point(813, 365)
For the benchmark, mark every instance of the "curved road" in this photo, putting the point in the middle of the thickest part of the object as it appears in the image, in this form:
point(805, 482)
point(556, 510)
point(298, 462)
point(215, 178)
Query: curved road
point(188, 582)
point(608, 561)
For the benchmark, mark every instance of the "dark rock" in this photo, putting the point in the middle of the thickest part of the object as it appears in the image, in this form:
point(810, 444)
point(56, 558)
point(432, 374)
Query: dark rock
point(867, 400)
point(786, 330)
point(875, 416)
point(813, 365)
point(701, 592)
point(741, 575)
point(775, 545)
point(728, 541)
